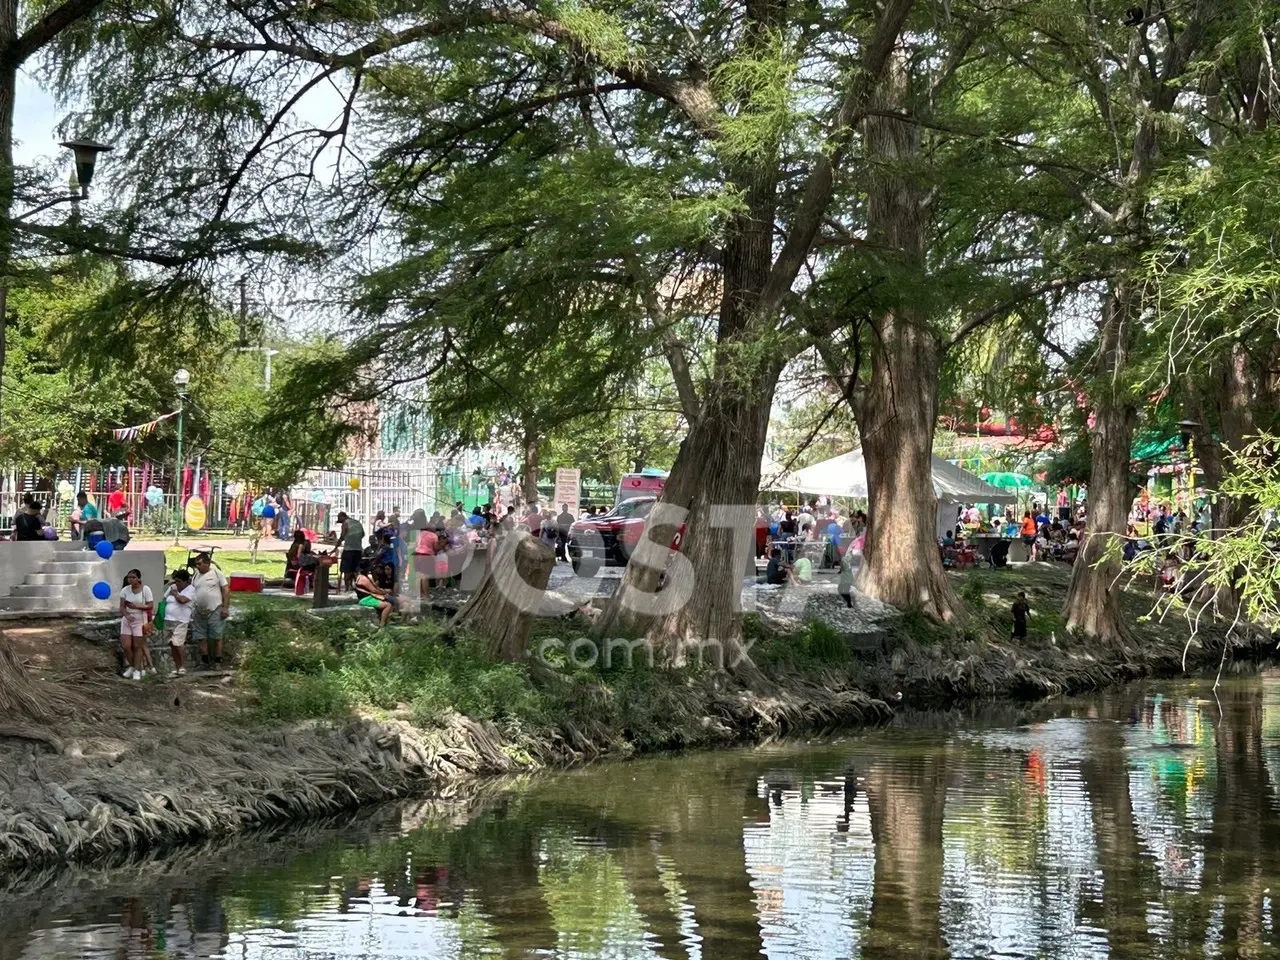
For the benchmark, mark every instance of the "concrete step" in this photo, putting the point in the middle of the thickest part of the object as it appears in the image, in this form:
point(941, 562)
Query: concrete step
point(72, 566)
point(47, 578)
point(60, 605)
point(51, 590)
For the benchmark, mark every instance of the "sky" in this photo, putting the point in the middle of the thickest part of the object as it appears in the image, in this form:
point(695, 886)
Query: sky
point(34, 117)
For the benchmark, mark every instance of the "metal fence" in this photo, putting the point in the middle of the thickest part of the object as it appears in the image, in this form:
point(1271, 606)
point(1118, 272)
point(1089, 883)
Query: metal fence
point(404, 483)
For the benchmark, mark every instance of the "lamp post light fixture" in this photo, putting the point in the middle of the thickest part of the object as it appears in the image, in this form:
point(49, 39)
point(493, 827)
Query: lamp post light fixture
point(86, 154)
point(1185, 429)
point(181, 379)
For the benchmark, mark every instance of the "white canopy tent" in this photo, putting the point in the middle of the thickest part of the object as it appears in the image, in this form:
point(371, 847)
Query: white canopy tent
point(846, 476)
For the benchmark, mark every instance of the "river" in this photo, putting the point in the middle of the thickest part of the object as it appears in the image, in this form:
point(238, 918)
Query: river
point(1138, 823)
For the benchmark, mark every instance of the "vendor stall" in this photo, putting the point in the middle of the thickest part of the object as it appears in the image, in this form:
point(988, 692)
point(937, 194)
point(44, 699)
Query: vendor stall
point(846, 476)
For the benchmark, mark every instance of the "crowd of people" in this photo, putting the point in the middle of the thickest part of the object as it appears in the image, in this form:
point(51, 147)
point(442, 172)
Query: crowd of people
point(194, 607)
point(374, 565)
point(812, 535)
point(1045, 536)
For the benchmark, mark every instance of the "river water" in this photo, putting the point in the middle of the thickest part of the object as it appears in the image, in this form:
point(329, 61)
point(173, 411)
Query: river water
point(1139, 823)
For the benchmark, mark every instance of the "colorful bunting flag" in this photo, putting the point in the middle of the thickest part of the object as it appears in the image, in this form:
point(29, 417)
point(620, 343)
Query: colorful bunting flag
point(142, 429)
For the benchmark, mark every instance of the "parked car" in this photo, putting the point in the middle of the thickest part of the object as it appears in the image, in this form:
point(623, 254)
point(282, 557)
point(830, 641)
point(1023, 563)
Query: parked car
point(646, 483)
point(611, 538)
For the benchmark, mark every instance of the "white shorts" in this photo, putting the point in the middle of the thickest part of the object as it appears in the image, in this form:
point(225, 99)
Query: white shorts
point(177, 633)
point(131, 628)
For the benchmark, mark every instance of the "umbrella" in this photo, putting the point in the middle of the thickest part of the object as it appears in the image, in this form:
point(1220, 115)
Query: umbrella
point(1007, 481)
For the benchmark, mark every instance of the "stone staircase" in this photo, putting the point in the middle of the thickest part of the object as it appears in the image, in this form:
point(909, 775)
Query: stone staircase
point(60, 585)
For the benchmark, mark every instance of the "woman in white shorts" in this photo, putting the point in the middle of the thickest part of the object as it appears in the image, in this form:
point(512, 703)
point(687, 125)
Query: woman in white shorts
point(136, 606)
point(177, 617)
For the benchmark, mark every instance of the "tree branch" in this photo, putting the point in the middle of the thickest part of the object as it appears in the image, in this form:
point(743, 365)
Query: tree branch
point(44, 30)
point(821, 183)
point(983, 317)
point(693, 96)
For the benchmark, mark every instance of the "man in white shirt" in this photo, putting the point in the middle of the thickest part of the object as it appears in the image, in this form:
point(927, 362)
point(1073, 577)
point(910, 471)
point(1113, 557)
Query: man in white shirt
point(804, 521)
point(212, 606)
point(179, 600)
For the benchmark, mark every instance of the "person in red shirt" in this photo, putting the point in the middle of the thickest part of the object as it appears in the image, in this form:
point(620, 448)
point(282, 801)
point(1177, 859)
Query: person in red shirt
point(115, 501)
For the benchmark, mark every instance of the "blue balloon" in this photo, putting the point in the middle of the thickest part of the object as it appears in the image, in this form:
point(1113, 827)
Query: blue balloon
point(102, 589)
point(475, 521)
point(268, 512)
point(105, 550)
point(773, 529)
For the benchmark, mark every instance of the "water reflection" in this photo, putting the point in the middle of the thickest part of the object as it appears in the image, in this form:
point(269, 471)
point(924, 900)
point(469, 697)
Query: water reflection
point(1138, 824)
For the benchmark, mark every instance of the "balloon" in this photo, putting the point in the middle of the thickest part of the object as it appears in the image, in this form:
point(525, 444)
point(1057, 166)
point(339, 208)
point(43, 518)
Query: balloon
point(155, 496)
point(354, 483)
point(475, 521)
point(105, 550)
point(268, 512)
point(65, 489)
point(48, 532)
point(257, 509)
point(317, 495)
point(102, 589)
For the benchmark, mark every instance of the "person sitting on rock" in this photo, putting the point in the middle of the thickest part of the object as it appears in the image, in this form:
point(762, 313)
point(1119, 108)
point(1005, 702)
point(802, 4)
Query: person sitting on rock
point(369, 594)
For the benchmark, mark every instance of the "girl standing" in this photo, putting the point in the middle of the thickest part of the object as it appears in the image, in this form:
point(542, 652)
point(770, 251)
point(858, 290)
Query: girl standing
point(136, 607)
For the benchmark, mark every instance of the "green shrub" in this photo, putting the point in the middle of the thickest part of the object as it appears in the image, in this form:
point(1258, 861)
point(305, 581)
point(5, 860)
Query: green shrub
point(300, 697)
point(818, 644)
point(301, 668)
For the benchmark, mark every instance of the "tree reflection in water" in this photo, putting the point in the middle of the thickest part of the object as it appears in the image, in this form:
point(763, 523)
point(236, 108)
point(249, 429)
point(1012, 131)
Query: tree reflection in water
point(1137, 824)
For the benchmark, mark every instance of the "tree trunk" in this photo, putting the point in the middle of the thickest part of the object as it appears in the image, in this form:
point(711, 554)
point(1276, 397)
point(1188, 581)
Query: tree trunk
point(1093, 598)
point(507, 601)
point(902, 566)
point(8, 88)
point(1236, 415)
point(716, 470)
point(529, 468)
point(897, 410)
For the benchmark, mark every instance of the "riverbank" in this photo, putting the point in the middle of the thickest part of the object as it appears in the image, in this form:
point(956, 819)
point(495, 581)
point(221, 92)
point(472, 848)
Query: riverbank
point(325, 715)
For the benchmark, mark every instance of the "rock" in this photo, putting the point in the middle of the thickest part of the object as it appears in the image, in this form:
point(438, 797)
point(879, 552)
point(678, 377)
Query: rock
point(104, 632)
point(71, 807)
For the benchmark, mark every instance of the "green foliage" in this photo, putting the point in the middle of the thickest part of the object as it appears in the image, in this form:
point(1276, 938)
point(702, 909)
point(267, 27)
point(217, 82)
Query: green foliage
point(299, 668)
point(1233, 576)
point(1072, 465)
point(73, 372)
point(817, 645)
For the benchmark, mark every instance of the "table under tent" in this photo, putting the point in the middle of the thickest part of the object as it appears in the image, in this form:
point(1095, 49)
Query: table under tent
point(846, 476)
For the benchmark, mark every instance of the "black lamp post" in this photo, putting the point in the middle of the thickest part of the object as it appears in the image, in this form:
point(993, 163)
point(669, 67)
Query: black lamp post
point(86, 154)
point(1186, 428)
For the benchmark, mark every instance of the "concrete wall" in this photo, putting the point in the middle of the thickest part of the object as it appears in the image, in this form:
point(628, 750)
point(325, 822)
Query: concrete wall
point(149, 561)
point(19, 559)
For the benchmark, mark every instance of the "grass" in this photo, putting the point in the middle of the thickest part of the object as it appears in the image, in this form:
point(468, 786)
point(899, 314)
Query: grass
point(298, 668)
point(270, 565)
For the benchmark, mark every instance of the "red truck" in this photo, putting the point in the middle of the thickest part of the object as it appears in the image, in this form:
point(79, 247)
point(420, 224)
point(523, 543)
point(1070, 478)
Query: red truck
point(611, 538)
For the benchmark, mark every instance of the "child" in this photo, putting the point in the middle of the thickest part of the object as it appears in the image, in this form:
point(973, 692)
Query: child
point(177, 618)
point(1020, 610)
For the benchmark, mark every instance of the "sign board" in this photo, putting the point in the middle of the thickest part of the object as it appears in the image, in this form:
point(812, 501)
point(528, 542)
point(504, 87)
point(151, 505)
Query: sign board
point(195, 514)
point(568, 489)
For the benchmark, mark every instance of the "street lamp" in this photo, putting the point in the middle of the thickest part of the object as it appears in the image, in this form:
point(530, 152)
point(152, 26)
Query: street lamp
point(86, 154)
point(180, 380)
